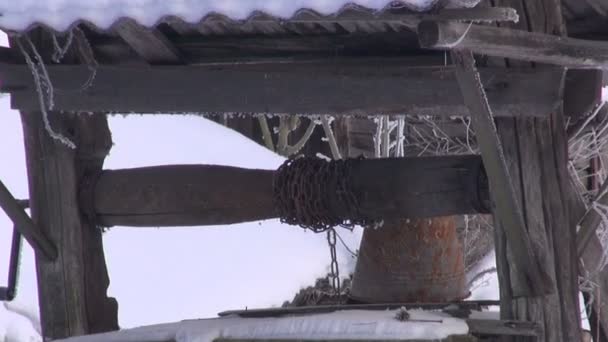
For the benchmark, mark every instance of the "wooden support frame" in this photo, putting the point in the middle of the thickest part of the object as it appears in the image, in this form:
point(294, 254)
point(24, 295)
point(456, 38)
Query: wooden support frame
point(39, 241)
point(339, 87)
point(516, 44)
point(507, 210)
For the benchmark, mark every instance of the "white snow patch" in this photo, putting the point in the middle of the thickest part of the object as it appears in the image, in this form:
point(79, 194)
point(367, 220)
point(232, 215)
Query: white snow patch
point(60, 14)
point(605, 94)
point(17, 327)
point(3, 39)
point(485, 288)
point(356, 324)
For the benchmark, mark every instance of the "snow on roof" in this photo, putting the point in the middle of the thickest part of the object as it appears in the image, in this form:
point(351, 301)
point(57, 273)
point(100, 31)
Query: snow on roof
point(355, 324)
point(61, 14)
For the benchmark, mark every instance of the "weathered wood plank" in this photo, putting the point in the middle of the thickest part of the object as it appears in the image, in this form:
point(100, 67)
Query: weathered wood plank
point(149, 43)
point(582, 92)
point(72, 289)
point(534, 279)
point(189, 195)
point(541, 142)
point(516, 44)
point(324, 87)
point(39, 241)
point(489, 327)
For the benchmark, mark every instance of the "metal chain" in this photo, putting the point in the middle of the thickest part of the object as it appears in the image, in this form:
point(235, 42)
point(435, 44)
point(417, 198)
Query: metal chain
point(334, 270)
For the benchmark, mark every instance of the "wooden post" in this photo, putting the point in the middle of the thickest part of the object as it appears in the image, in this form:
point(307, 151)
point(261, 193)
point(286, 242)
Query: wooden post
point(190, 195)
point(71, 289)
point(536, 155)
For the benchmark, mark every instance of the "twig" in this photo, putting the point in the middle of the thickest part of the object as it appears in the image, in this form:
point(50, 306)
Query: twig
point(298, 146)
point(331, 139)
point(266, 134)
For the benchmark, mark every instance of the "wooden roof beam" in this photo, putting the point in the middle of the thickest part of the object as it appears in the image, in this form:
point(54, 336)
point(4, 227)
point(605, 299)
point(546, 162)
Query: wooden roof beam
point(355, 86)
point(516, 44)
point(149, 43)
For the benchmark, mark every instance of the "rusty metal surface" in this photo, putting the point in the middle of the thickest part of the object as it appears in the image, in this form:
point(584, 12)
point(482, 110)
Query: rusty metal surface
point(410, 261)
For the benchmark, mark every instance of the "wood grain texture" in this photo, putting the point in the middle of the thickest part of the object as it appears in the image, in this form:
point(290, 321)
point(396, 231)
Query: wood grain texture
point(191, 195)
point(343, 87)
point(514, 44)
point(533, 279)
point(538, 153)
point(149, 43)
point(72, 289)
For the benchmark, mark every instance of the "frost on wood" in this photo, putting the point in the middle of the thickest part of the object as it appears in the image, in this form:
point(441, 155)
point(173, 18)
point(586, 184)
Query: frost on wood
point(587, 148)
point(44, 88)
point(355, 324)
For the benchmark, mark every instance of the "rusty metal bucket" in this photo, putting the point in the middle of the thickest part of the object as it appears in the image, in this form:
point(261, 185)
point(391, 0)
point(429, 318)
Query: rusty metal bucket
point(410, 261)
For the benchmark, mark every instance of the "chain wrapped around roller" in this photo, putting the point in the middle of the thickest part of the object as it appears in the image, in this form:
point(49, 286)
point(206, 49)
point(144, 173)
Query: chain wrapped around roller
point(308, 190)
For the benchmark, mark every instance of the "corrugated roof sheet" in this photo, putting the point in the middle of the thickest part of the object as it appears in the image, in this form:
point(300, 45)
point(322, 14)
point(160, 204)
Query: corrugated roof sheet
point(60, 15)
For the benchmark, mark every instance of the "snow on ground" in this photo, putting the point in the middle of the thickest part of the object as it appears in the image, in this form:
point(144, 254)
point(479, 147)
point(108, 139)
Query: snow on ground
point(60, 14)
point(356, 324)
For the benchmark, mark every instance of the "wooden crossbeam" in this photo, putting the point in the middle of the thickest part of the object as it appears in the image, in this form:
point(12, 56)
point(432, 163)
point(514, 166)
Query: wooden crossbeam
point(516, 44)
point(191, 195)
point(506, 209)
point(41, 244)
point(339, 87)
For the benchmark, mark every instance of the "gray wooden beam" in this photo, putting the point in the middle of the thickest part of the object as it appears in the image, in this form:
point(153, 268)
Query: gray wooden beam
point(329, 86)
point(516, 44)
point(507, 210)
point(41, 244)
point(149, 43)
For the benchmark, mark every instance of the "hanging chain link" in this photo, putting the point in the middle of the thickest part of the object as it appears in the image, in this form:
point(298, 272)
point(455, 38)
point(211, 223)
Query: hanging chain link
point(334, 270)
